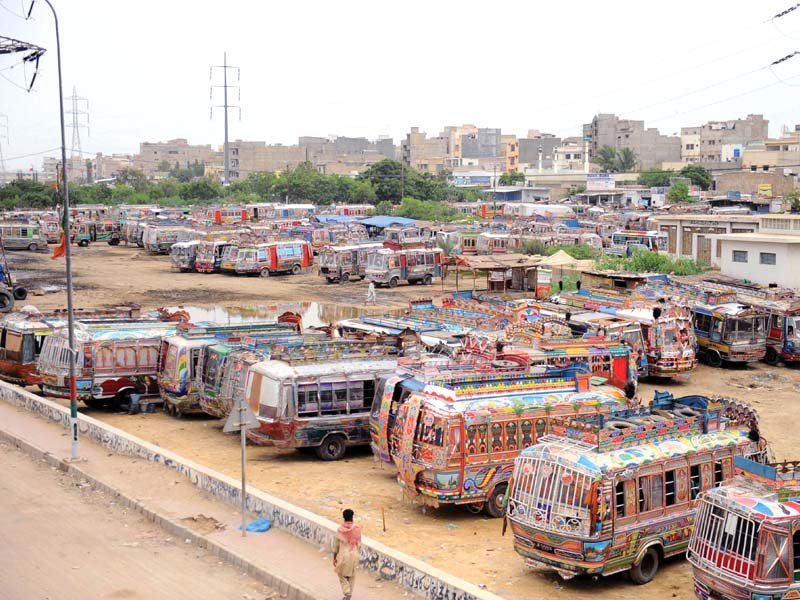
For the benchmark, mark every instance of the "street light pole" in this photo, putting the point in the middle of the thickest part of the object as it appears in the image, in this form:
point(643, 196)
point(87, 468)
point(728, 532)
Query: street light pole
point(73, 395)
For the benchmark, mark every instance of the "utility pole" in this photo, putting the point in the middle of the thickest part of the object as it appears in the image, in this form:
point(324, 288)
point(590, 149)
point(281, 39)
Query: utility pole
point(3, 136)
point(225, 66)
point(80, 108)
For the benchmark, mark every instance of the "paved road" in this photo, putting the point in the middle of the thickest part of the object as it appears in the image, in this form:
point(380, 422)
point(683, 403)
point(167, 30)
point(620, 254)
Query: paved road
point(62, 541)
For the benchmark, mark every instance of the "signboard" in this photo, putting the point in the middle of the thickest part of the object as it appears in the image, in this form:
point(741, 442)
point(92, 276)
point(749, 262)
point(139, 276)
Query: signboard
point(241, 417)
point(734, 195)
point(765, 190)
point(598, 182)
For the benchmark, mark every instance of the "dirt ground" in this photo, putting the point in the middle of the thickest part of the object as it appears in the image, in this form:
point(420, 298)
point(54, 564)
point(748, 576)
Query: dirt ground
point(63, 540)
point(451, 538)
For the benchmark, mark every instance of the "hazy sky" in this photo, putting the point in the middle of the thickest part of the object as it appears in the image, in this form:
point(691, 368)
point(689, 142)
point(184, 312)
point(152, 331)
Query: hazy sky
point(377, 68)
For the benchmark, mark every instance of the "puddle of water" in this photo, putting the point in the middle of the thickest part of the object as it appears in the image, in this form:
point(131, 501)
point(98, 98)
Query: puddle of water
point(315, 314)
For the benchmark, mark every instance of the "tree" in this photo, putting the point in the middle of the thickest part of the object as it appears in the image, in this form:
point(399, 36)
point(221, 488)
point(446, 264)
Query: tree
point(626, 161)
point(655, 178)
point(606, 158)
point(426, 210)
point(163, 166)
point(384, 207)
point(202, 190)
point(794, 200)
point(385, 177)
point(27, 194)
point(533, 248)
point(512, 178)
point(678, 192)
point(134, 178)
point(698, 174)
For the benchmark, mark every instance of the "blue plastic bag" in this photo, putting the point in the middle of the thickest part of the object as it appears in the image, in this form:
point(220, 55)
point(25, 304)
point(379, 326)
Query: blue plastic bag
point(258, 526)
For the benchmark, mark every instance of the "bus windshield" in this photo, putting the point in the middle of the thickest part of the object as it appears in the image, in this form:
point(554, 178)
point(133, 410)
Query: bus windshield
point(792, 331)
point(377, 261)
point(725, 539)
point(745, 330)
point(552, 496)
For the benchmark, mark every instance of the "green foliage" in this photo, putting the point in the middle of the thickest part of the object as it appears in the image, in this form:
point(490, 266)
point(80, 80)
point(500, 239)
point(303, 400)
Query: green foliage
point(794, 200)
point(612, 161)
point(678, 192)
point(134, 178)
point(655, 178)
point(512, 178)
point(384, 207)
point(426, 210)
point(202, 190)
point(569, 283)
point(577, 251)
point(27, 194)
point(390, 179)
point(533, 248)
point(644, 261)
point(163, 166)
point(577, 189)
point(698, 174)
point(448, 246)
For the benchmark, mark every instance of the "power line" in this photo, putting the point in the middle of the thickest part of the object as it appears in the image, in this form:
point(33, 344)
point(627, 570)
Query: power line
point(225, 106)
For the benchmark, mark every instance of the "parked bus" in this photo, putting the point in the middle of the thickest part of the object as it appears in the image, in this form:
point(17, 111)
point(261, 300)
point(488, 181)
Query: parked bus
point(158, 239)
point(52, 230)
point(227, 262)
point(622, 241)
point(746, 540)
point(86, 232)
point(22, 337)
point(343, 263)
point(208, 257)
point(494, 243)
point(183, 255)
point(22, 236)
point(113, 360)
point(730, 332)
point(389, 267)
point(610, 493)
point(454, 428)
point(179, 355)
point(322, 404)
point(783, 332)
point(275, 257)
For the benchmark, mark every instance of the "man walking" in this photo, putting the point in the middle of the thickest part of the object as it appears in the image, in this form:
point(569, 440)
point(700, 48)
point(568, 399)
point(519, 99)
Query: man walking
point(371, 293)
point(346, 552)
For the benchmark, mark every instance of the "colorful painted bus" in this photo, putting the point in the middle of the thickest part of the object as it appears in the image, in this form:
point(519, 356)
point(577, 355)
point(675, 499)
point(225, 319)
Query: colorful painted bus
point(293, 257)
point(623, 242)
point(343, 263)
point(86, 232)
point(22, 236)
point(183, 255)
point(611, 493)
point(22, 337)
point(209, 255)
point(746, 540)
point(324, 404)
point(114, 359)
point(730, 332)
point(783, 332)
point(412, 265)
point(453, 434)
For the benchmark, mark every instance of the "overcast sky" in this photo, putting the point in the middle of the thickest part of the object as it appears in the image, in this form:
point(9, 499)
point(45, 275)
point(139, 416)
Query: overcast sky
point(377, 68)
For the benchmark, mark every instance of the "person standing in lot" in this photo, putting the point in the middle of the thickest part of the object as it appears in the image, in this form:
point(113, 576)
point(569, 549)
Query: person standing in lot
point(346, 552)
point(371, 293)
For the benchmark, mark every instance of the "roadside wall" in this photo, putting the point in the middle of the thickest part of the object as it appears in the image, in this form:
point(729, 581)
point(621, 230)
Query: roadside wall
point(377, 558)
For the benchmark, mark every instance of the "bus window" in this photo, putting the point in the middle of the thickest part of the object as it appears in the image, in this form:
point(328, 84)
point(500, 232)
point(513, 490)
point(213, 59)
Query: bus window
point(669, 488)
point(796, 553)
point(619, 499)
point(650, 492)
point(718, 472)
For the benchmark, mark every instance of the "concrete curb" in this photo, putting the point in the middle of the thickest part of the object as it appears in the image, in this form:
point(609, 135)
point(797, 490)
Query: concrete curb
point(282, 586)
point(389, 564)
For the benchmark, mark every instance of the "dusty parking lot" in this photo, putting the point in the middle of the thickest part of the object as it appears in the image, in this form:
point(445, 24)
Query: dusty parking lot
point(452, 539)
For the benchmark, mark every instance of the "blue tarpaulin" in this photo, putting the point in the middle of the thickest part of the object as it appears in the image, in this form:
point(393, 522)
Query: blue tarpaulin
point(384, 221)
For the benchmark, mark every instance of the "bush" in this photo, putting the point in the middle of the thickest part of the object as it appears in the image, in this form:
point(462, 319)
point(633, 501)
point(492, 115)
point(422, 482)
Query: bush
point(643, 261)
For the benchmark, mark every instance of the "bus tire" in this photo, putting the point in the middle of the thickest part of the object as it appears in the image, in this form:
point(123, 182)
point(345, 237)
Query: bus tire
point(6, 301)
point(344, 278)
point(296, 269)
point(95, 403)
point(393, 282)
point(495, 505)
point(33, 247)
point(329, 280)
point(114, 241)
point(20, 293)
point(647, 567)
point(713, 359)
point(771, 357)
point(332, 447)
point(83, 243)
point(428, 279)
point(264, 273)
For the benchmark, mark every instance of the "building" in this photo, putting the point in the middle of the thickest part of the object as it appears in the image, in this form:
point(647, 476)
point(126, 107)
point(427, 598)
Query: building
point(538, 152)
point(691, 235)
point(771, 153)
point(107, 167)
point(509, 148)
point(454, 135)
point(769, 256)
point(155, 157)
point(762, 183)
point(484, 143)
point(253, 157)
point(651, 147)
point(721, 142)
point(423, 153)
point(79, 170)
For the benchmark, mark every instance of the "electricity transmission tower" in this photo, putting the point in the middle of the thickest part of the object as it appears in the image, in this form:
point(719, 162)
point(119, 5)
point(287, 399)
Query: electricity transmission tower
point(225, 85)
point(3, 136)
point(80, 109)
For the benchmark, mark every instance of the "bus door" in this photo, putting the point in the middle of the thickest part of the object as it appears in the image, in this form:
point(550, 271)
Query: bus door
point(408, 415)
point(385, 409)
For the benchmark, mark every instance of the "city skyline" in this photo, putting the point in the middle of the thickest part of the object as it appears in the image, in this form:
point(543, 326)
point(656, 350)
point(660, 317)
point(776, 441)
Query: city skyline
point(431, 67)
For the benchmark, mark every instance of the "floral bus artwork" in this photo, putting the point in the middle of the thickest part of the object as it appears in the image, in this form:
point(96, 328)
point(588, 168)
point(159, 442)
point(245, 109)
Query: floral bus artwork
point(746, 540)
point(610, 493)
point(453, 429)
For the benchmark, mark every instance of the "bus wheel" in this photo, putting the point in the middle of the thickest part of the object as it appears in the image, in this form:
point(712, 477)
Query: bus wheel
point(33, 247)
point(20, 293)
point(264, 273)
point(344, 278)
point(647, 568)
point(428, 279)
point(95, 403)
point(6, 301)
point(295, 269)
point(329, 280)
point(332, 448)
point(771, 357)
point(713, 359)
point(496, 503)
point(393, 282)
point(83, 243)
point(114, 241)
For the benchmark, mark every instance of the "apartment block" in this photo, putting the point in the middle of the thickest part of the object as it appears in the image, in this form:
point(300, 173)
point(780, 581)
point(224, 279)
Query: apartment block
point(106, 167)
point(424, 153)
point(178, 152)
point(650, 146)
point(774, 153)
point(719, 142)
